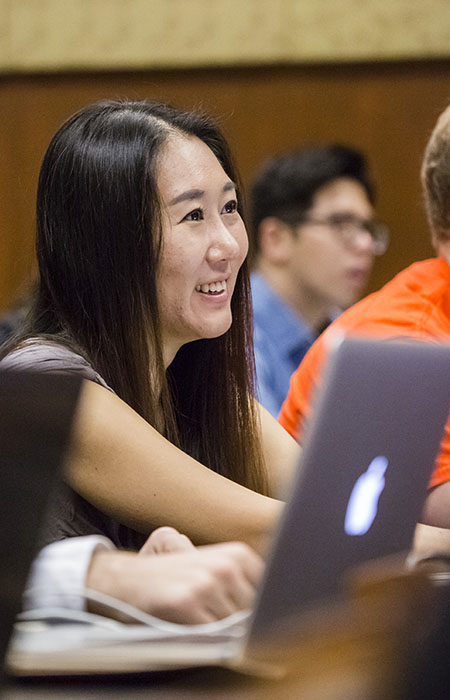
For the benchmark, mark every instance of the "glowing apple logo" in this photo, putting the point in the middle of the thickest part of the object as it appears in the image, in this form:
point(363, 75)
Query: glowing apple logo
point(363, 502)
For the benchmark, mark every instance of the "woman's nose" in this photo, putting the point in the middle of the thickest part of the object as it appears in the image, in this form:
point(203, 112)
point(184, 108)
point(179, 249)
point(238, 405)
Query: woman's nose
point(224, 245)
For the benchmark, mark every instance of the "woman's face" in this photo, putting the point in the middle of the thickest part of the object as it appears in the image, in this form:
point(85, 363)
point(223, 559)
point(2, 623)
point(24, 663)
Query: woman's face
point(204, 244)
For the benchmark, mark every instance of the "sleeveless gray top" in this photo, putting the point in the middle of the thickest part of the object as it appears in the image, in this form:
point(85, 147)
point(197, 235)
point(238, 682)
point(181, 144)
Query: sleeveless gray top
point(69, 514)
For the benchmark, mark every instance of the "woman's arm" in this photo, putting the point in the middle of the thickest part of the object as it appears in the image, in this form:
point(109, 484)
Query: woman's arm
point(281, 454)
point(127, 469)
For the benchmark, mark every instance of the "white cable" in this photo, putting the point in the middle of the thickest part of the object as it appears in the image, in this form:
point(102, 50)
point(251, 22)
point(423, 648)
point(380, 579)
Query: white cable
point(68, 615)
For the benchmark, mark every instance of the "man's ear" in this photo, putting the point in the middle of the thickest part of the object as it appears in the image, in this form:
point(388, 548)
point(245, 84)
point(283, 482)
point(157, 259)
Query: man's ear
point(275, 240)
point(442, 247)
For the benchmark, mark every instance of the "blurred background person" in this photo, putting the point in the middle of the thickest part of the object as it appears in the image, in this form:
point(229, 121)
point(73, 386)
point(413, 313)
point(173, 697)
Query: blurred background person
point(11, 320)
point(314, 237)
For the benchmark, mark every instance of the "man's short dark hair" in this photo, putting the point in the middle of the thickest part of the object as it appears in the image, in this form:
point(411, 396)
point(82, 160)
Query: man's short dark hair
point(286, 184)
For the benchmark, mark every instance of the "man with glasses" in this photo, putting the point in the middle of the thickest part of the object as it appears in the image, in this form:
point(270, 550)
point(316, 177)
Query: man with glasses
point(314, 238)
point(413, 305)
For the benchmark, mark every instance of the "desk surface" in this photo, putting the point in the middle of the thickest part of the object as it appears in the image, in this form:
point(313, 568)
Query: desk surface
point(201, 684)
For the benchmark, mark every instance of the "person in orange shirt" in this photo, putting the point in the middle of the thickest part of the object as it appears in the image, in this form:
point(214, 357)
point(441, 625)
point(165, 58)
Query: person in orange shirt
point(415, 304)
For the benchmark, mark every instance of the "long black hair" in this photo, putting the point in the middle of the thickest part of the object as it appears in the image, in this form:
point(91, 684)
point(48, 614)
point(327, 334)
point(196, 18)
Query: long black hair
point(99, 242)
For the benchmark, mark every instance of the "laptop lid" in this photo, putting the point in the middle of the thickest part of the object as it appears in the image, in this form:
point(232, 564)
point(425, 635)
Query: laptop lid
point(362, 477)
point(36, 412)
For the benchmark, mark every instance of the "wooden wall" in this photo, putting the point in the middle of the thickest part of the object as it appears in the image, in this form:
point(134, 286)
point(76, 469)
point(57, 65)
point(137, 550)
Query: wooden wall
point(386, 109)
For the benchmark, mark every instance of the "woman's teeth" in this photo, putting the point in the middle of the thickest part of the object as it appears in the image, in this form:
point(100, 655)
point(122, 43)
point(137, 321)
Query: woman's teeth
point(211, 287)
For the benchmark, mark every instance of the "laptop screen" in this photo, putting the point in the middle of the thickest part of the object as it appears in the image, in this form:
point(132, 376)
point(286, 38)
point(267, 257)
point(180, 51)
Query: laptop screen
point(362, 477)
point(36, 412)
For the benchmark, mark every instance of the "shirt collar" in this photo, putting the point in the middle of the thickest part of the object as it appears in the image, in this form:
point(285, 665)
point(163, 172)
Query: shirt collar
point(294, 332)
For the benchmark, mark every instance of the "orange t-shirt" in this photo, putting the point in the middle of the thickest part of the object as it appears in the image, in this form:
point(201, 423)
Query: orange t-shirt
point(415, 304)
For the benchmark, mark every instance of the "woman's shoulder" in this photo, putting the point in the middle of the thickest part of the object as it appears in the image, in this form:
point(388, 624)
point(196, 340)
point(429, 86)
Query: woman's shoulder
point(49, 356)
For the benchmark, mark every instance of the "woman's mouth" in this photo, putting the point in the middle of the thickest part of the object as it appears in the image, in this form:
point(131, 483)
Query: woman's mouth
point(212, 287)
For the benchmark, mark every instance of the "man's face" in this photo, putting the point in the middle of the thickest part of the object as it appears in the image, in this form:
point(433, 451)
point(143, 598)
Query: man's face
point(327, 267)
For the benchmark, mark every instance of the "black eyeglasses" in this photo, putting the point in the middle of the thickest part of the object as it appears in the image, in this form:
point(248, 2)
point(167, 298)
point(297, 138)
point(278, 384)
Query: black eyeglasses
point(349, 227)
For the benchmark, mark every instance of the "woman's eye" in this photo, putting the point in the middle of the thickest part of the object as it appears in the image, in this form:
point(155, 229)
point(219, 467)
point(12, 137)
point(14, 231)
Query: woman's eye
point(230, 207)
point(195, 215)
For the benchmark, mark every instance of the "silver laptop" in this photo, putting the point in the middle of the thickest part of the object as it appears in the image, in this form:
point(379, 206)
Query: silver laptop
point(366, 462)
point(358, 493)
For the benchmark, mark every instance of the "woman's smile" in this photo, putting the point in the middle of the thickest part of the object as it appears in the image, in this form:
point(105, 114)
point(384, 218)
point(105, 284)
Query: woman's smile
point(215, 288)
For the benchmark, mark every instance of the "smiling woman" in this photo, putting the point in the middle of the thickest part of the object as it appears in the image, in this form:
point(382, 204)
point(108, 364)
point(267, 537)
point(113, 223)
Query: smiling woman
point(205, 244)
point(144, 291)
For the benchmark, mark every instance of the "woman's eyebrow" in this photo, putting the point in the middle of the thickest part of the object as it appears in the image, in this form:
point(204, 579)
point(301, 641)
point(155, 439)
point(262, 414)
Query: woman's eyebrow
point(189, 195)
point(230, 185)
point(186, 196)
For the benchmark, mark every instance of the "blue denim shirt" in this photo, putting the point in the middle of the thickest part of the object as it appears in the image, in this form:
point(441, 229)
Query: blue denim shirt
point(281, 341)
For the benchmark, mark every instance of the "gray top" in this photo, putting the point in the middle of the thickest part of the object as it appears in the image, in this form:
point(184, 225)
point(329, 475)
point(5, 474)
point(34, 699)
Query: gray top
point(69, 514)
point(51, 357)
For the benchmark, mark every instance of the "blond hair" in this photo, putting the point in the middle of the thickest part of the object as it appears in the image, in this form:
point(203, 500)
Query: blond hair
point(436, 178)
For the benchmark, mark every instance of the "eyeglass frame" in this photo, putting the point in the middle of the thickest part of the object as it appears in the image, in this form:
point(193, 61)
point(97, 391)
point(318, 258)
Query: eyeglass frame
point(378, 230)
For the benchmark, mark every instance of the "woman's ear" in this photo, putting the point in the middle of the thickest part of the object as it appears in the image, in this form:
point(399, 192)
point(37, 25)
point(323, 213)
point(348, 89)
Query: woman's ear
point(275, 240)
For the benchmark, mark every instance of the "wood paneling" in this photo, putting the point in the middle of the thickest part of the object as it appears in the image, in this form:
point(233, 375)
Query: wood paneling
point(386, 109)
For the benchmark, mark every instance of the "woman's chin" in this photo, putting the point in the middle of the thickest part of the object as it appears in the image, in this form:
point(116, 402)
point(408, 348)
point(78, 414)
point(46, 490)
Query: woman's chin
point(215, 331)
